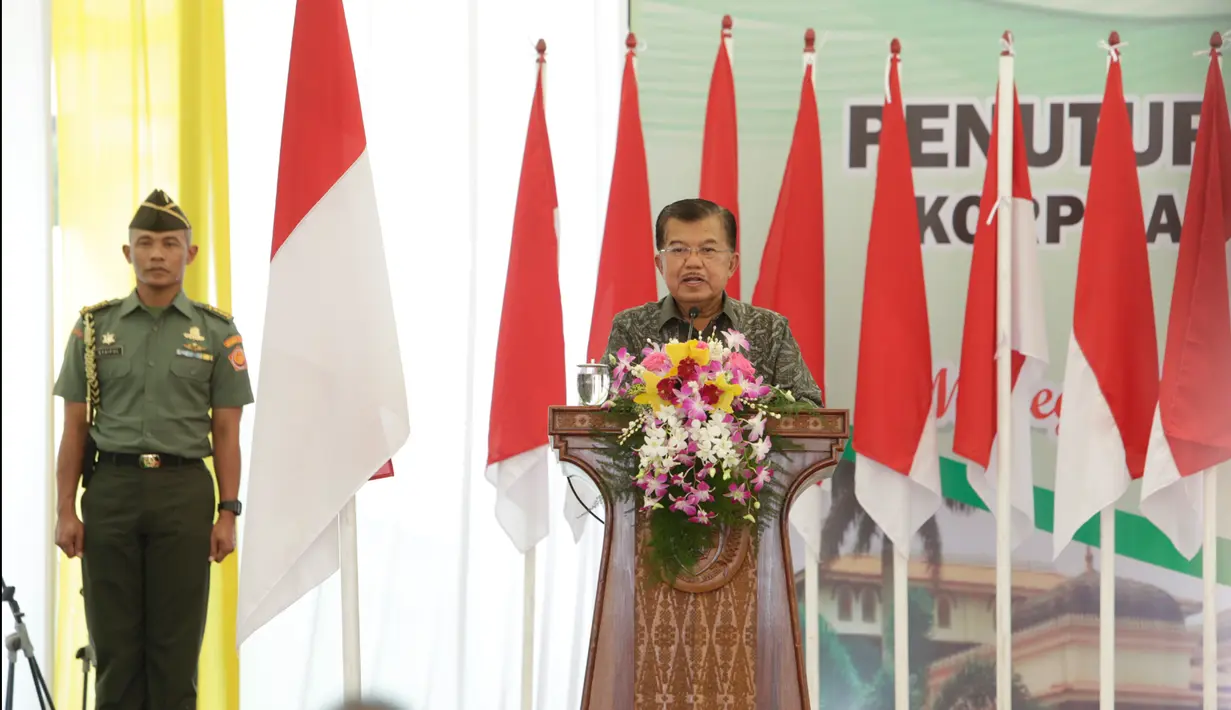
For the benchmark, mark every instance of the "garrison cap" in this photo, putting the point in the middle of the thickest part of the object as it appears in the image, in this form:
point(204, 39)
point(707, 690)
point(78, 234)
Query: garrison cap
point(159, 214)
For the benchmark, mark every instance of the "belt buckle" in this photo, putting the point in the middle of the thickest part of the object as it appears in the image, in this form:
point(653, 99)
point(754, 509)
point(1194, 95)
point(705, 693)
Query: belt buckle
point(150, 461)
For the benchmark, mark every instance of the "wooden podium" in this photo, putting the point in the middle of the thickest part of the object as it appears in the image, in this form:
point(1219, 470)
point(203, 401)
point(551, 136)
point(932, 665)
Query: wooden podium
point(725, 637)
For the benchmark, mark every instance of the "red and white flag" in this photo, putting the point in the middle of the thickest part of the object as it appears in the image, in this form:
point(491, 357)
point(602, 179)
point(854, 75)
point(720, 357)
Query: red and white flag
point(975, 436)
point(720, 144)
point(332, 406)
point(1111, 372)
point(530, 351)
point(792, 279)
point(1192, 425)
point(626, 266)
point(897, 463)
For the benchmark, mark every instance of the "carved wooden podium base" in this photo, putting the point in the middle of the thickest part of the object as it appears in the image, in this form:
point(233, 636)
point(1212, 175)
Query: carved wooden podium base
point(726, 637)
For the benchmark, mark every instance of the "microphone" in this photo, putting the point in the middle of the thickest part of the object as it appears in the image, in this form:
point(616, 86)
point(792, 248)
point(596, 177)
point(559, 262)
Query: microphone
point(692, 316)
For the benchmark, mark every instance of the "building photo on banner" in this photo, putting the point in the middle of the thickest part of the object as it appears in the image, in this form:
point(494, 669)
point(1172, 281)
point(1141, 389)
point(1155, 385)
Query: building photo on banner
point(419, 214)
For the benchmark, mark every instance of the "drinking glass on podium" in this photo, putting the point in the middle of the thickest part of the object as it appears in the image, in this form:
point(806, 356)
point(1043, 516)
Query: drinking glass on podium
point(593, 383)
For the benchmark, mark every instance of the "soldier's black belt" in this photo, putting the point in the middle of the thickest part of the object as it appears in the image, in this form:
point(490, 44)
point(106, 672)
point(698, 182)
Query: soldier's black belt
point(146, 460)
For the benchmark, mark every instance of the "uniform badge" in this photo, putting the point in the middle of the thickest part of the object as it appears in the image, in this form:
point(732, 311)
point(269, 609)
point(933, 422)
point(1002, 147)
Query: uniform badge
point(194, 333)
point(110, 351)
point(233, 340)
point(238, 360)
point(195, 347)
point(194, 354)
point(108, 338)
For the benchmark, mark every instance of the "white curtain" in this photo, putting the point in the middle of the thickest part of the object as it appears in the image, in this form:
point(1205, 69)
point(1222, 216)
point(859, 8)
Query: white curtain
point(441, 586)
point(28, 361)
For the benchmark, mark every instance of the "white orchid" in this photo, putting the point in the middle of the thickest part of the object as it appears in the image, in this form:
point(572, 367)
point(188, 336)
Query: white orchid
point(756, 426)
point(760, 449)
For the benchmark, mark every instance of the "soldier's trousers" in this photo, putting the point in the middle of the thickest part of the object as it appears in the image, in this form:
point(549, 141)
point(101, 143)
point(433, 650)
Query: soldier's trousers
point(146, 580)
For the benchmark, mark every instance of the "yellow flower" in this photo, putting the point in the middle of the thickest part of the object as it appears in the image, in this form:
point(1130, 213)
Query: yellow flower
point(729, 392)
point(680, 351)
point(650, 395)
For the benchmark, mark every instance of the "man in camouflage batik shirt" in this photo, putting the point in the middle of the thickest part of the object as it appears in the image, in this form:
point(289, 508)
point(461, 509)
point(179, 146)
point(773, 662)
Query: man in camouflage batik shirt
point(696, 242)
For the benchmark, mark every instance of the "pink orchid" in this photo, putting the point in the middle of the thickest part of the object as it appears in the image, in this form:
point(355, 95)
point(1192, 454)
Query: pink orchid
point(687, 504)
point(736, 340)
point(761, 477)
point(705, 472)
point(754, 389)
point(702, 492)
point(692, 408)
point(702, 517)
point(624, 363)
point(677, 479)
point(739, 493)
point(655, 486)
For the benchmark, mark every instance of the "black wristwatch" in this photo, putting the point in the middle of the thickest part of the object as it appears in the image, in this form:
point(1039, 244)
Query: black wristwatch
point(232, 506)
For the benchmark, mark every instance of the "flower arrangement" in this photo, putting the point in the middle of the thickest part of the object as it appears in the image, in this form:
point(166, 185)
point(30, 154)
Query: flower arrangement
point(697, 442)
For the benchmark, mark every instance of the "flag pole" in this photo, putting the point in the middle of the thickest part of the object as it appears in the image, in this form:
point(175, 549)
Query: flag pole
point(812, 555)
point(527, 649)
point(901, 629)
point(1209, 583)
point(348, 534)
point(1107, 549)
point(528, 568)
point(901, 556)
point(1004, 377)
point(472, 219)
point(1209, 557)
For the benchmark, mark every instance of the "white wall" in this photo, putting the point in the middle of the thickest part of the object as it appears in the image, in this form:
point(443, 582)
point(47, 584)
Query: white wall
point(26, 329)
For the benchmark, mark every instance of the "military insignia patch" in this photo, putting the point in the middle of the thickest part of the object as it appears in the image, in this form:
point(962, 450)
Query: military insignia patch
point(195, 355)
point(108, 338)
point(238, 360)
point(110, 351)
point(194, 333)
point(195, 347)
point(233, 340)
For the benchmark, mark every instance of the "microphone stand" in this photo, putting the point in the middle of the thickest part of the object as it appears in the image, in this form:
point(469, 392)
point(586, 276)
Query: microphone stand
point(85, 654)
point(19, 641)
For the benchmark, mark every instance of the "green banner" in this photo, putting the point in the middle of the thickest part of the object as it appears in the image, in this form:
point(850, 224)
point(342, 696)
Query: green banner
point(950, 51)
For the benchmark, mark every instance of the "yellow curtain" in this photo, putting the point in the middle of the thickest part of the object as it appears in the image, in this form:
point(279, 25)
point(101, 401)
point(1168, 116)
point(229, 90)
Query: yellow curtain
point(141, 103)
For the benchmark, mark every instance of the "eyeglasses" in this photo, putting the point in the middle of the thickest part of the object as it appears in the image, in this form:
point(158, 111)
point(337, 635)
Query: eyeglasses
point(679, 252)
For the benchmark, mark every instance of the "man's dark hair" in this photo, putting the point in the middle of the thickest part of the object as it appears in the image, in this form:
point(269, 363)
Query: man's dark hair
point(694, 209)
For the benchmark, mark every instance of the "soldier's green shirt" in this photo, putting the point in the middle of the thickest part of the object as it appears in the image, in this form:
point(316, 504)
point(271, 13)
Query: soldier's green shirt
point(160, 371)
point(773, 350)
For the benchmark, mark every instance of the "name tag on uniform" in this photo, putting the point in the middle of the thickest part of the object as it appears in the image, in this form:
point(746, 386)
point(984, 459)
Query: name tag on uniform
point(195, 355)
point(110, 351)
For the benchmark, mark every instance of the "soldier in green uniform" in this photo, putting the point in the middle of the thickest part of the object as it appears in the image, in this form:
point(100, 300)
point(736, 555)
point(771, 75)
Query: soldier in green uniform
point(696, 256)
point(147, 379)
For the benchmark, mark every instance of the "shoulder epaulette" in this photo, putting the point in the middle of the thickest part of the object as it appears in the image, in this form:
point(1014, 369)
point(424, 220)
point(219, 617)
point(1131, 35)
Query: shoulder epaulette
point(216, 312)
point(100, 305)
